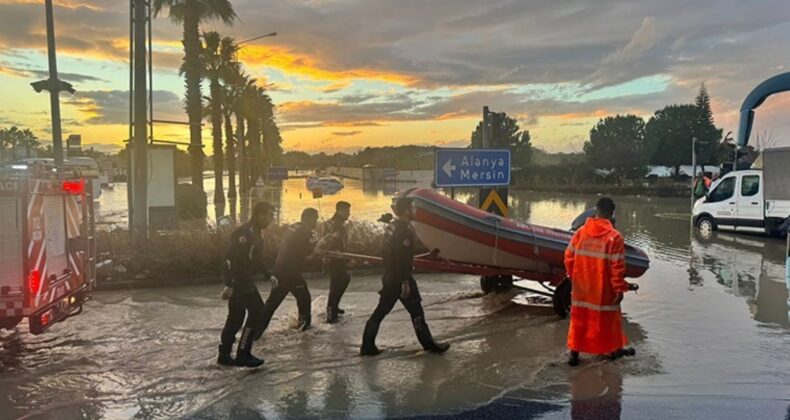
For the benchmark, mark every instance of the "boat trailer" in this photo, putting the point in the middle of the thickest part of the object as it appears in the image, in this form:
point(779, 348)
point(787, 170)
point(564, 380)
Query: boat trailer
point(554, 286)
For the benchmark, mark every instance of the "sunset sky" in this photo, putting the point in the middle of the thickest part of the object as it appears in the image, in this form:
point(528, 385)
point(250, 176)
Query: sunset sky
point(348, 74)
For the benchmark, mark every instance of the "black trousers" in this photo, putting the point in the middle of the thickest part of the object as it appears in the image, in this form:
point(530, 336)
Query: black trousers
point(247, 303)
point(388, 296)
point(294, 285)
point(338, 283)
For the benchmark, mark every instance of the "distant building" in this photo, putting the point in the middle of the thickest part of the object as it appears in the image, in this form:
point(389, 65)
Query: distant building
point(74, 143)
point(685, 171)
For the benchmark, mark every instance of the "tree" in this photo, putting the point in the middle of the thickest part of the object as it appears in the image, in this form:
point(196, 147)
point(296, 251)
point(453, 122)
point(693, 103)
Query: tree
point(251, 103)
point(190, 13)
point(10, 138)
point(246, 86)
point(214, 69)
point(272, 140)
point(5, 141)
point(233, 85)
point(669, 134)
point(617, 143)
point(708, 136)
point(29, 141)
point(506, 134)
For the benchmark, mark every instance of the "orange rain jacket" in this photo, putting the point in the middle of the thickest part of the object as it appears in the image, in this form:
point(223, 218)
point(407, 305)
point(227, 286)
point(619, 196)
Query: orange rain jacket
point(595, 263)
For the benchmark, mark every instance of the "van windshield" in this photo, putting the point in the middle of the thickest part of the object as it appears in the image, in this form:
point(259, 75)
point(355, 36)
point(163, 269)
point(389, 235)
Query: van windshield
point(723, 191)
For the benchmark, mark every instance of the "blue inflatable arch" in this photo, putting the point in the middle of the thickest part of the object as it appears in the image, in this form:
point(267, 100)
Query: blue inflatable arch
point(776, 84)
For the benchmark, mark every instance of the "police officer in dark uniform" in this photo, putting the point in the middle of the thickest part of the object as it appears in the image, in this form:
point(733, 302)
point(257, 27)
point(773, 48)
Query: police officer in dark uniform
point(243, 259)
point(335, 240)
point(297, 246)
point(398, 283)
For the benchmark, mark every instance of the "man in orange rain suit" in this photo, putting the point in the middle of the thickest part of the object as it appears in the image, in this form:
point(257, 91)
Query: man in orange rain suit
point(595, 263)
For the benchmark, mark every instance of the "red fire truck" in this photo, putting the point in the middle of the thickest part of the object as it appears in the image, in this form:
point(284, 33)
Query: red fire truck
point(47, 245)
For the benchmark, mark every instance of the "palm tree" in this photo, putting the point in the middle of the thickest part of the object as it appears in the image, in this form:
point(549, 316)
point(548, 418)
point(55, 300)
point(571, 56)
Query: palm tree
point(4, 141)
point(11, 139)
point(270, 131)
point(190, 13)
point(233, 86)
point(29, 141)
point(212, 61)
point(245, 113)
point(250, 106)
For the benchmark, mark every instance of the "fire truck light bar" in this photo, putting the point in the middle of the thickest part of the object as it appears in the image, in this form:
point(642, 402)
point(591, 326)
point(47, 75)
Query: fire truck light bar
point(74, 187)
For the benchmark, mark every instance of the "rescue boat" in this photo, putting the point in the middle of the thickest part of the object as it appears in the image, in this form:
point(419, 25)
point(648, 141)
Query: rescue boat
point(463, 233)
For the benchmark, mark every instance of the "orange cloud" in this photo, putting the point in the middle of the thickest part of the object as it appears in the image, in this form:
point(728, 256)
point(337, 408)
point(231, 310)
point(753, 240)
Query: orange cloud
point(60, 3)
point(8, 71)
point(310, 67)
point(600, 113)
point(334, 87)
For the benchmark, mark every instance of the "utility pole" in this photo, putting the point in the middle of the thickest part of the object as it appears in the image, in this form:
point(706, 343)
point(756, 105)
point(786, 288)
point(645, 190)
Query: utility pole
point(139, 144)
point(735, 157)
point(693, 169)
point(486, 128)
point(53, 85)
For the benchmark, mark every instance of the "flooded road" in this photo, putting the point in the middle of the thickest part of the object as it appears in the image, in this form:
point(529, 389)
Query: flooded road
point(710, 326)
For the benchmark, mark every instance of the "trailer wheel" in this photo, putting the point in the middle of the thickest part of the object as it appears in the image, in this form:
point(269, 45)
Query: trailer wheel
point(562, 298)
point(496, 284)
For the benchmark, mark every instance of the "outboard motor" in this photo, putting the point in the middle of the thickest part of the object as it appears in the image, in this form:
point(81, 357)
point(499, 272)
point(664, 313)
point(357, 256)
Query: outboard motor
point(581, 219)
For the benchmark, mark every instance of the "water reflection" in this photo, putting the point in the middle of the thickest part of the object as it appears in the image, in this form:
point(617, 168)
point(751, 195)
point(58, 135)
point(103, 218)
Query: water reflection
point(596, 392)
point(748, 266)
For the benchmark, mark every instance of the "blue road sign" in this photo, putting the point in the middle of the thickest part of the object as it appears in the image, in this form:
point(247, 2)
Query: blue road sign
point(277, 173)
point(471, 167)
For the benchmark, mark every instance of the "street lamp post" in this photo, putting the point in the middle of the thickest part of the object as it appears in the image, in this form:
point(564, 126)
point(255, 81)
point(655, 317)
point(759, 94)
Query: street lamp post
point(255, 39)
point(53, 85)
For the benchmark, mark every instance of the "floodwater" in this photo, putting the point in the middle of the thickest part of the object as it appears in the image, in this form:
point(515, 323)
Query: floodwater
point(709, 324)
point(290, 198)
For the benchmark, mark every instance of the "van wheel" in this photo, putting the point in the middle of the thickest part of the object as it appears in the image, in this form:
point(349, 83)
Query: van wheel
point(706, 226)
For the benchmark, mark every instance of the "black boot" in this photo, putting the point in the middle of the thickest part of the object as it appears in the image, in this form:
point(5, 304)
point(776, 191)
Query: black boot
point(332, 315)
point(243, 355)
point(625, 351)
point(341, 311)
point(224, 358)
point(439, 347)
point(304, 323)
point(574, 359)
point(369, 340)
point(426, 339)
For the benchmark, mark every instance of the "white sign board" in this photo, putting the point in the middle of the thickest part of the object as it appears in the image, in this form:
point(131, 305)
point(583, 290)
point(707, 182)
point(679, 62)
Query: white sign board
point(161, 177)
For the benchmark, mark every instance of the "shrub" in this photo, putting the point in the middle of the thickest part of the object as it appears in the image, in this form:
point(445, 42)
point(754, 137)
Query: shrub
point(195, 251)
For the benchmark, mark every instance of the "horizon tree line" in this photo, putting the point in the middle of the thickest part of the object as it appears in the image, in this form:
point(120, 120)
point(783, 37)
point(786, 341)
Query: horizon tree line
point(622, 143)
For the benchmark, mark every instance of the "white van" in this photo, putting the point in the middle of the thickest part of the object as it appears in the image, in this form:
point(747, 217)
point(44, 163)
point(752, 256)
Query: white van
point(754, 200)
